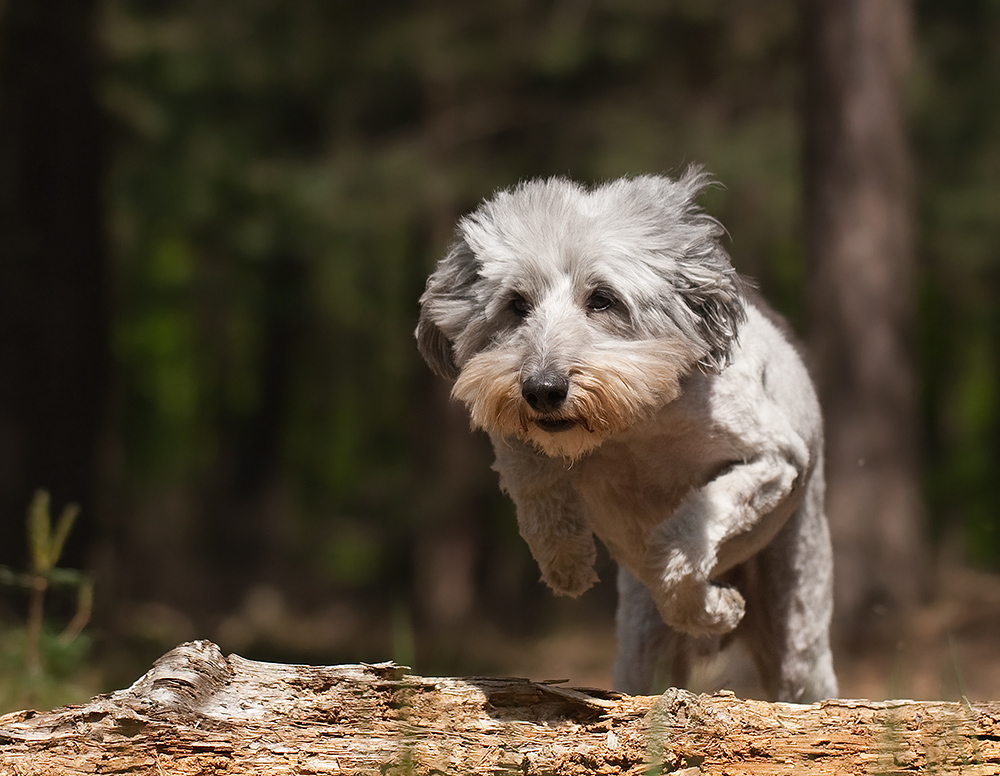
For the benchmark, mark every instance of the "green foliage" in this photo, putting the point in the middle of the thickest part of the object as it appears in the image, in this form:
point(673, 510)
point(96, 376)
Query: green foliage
point(46, 543)
point(285, 175)
point(956, 122)
point(37, 665)
point(289, 172)
point(66, 677)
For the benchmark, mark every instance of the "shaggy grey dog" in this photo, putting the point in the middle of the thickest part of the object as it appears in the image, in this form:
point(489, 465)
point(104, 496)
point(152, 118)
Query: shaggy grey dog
point(634, 391)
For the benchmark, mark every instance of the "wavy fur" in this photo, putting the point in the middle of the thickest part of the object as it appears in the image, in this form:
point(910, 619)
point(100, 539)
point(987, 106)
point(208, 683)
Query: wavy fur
point(632, 392)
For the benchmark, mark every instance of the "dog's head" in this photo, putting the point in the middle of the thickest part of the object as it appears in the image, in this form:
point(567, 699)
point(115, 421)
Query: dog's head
point(568, 314)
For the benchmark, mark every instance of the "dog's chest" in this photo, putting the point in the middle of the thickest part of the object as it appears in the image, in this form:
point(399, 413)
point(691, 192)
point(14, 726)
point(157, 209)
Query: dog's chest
point(628, 487)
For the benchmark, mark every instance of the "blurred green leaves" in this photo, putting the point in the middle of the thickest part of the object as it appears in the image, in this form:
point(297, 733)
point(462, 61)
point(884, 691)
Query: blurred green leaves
point(46, 540)
point(956, 126)
point(286, 173)
point(38, 664)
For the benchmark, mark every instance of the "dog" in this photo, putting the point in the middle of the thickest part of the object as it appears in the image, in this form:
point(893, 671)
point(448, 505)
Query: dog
point(636, 389)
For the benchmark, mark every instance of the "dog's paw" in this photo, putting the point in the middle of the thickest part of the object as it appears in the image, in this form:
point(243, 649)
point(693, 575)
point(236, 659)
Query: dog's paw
point(702, 609)
point(724, 608)
point(569, 579)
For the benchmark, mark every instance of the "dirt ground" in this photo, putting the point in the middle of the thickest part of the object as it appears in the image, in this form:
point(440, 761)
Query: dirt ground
point(949, 649)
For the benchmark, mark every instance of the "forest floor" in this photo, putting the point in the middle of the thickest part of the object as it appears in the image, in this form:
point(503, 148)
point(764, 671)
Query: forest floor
point(947, 650)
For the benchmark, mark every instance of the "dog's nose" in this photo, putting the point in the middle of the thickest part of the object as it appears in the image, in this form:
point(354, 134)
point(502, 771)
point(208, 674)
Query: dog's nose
point(546, 391)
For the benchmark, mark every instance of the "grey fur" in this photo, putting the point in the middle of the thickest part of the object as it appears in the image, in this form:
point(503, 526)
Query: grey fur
point(632, 391)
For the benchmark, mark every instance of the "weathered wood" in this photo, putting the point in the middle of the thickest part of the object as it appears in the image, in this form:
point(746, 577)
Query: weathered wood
point(199, 712)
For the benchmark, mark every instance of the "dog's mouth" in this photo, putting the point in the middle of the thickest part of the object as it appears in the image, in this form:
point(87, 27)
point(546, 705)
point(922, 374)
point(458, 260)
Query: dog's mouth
point(555, 426)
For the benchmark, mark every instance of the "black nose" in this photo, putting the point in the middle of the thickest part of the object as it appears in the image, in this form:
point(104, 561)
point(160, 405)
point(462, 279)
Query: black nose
point(545, 391)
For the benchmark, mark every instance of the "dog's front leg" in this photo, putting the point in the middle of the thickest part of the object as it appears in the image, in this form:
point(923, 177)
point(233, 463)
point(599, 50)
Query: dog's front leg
point(552, 523)
point(716, 527)
point(550, 517)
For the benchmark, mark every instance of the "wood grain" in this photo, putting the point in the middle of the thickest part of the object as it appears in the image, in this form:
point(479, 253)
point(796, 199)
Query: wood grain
point(200, 712)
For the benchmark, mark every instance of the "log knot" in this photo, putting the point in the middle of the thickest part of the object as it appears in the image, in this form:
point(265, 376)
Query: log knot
point(184, 678)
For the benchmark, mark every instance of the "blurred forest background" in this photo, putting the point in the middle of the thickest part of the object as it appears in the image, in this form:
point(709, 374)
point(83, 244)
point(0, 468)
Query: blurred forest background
point(217, 216)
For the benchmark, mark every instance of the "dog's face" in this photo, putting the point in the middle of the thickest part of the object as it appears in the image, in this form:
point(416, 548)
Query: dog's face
point(567, 315)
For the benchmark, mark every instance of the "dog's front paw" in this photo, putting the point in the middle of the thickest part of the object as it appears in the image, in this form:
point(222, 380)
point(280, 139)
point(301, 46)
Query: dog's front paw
point(724, 608)
point(569, 579)
point(702, 609)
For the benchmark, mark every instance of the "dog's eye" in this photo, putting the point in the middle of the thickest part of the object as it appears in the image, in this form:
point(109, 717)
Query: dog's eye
point(519, 306)
point(600, 301)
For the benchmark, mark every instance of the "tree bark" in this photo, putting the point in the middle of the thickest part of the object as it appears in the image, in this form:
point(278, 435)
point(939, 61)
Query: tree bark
point(198, 712)
point(861, 299)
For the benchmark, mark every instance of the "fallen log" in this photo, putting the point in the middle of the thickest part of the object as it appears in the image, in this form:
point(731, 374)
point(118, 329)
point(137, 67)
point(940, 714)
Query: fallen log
point(200, 712)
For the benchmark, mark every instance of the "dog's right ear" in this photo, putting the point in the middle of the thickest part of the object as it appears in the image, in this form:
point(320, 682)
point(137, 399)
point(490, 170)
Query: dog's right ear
point(435, 348)
point(446, 307)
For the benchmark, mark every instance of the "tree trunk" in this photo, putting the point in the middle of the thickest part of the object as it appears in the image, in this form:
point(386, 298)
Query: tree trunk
point(861, 302)
point(198, 712)
point(54, 285)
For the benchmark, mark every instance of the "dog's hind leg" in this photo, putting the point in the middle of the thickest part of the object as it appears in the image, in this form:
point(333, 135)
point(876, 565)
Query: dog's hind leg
point(641, 635)
point(645, 642)
point(789, 605)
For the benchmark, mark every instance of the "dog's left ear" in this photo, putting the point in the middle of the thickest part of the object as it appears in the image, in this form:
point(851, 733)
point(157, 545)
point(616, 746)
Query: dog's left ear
point(446, 307)
point(715, 297)
point(710, 288)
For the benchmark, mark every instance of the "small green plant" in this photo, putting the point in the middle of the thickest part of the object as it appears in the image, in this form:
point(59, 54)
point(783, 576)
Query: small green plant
point(36, 662)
